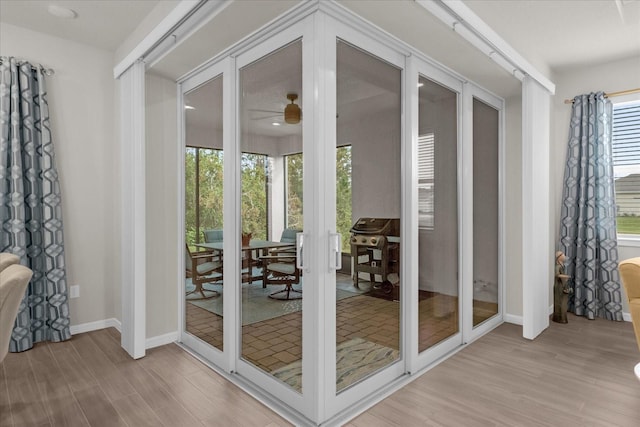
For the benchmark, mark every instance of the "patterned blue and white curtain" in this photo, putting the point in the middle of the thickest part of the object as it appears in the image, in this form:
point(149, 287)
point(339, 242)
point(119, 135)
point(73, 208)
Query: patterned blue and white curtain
point(30, 205)
point(588, 218)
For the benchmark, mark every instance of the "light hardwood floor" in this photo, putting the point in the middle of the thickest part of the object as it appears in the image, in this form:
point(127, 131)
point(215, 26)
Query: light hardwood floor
point(576, 374)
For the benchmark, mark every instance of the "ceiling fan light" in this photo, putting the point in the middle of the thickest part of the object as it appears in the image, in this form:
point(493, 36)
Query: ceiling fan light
point(292, 114)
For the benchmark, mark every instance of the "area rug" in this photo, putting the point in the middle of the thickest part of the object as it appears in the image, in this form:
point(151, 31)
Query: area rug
point(256, 304)
point(355, 360)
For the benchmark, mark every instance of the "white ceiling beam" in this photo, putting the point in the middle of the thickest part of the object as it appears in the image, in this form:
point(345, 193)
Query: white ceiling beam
point(465, 22)
point(159, 41)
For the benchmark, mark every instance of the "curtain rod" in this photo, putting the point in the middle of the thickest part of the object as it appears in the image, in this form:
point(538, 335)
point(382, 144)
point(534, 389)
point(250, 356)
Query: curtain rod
point(45, 71)
point(611, 95)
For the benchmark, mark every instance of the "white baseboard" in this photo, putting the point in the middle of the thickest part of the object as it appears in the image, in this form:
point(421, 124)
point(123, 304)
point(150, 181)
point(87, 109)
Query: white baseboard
point(512, 318)
point(159, 340)
point(517, 320)
point(115, 323)
point(94, 326)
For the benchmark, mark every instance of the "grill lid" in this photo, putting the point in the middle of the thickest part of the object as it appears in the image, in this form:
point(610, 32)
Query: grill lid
point(383, 226)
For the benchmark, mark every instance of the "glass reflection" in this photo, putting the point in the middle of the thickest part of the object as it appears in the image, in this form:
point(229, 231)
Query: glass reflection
point(368, 203)
point(485, 211)
point(204, 212)
point(271, 213)
point(438, 214)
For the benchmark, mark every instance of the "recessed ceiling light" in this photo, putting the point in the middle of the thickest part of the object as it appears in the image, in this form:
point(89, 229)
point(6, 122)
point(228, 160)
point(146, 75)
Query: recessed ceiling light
point(275, 124)
point(62, 12)
point(189, 107)
point(420, 84)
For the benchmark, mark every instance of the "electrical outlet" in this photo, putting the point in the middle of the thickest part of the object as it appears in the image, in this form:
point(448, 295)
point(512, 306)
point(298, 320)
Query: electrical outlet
point(74, 291)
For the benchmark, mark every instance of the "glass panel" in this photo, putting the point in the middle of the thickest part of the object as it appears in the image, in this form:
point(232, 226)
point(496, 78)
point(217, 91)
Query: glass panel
point(437, 213)
point(203, 212)
point(271, 213)
point(485, 211)
point(368, 203)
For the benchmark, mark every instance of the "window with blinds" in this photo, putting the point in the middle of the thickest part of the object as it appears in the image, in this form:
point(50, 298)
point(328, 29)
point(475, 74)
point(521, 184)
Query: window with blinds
point(425, 180)
point(626, 165)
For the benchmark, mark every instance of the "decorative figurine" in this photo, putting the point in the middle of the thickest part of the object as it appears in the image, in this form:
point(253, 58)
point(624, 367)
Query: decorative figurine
point(561, 290)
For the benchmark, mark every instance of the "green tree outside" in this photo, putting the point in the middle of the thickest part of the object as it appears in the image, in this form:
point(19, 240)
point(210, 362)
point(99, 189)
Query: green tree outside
point(255, 175)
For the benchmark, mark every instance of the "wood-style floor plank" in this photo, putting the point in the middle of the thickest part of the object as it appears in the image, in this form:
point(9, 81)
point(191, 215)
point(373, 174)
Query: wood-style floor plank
point(98, 409)
point(23, 392)
point(580, 373)
point(60, 404)
point(136, 412)
point(170, 412)
point(6, 419)
point(112, 381)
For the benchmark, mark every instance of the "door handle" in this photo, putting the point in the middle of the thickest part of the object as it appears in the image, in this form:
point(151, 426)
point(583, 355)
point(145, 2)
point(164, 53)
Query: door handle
point(299, 251)
point(335, 251)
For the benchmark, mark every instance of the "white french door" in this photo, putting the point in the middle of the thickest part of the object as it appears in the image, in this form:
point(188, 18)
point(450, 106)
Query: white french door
point(366, 153)
point(435, 326)
point(363, 161)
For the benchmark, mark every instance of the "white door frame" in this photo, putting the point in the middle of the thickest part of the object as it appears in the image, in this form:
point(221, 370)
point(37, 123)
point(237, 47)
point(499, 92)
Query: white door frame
point(418, 67)
point(223, 359)
point(329, 31)
point(470, 91)
point(303, 403)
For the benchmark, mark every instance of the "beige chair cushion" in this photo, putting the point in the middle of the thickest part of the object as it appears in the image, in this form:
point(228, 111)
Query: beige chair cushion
point(630, 274)
point(7, 259)
point(13, 284)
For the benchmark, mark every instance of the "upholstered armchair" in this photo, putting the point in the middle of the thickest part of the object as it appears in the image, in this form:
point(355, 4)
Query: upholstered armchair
point(630, 273)
point(14, 279)
point(7, 259)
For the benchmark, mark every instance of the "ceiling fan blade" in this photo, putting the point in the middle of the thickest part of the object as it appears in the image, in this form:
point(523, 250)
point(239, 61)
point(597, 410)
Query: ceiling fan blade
point(270, 116)
point(265, 111)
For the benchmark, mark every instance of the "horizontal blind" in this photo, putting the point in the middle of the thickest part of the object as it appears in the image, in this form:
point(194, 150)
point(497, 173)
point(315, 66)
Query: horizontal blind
point(626, 135)
point(425, 179)
point(626, 166)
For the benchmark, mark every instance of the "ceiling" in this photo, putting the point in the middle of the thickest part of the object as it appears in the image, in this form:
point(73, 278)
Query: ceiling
point(549, 33)
point(100, 23)
point(558, 34)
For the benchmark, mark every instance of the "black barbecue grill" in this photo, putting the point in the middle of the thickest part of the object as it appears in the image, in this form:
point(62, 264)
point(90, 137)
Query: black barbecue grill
point(369, 235)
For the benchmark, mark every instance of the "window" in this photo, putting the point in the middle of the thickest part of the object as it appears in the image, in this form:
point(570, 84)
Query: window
point(626, 165)
point(425, 180)
point(294, 200)
point(203, 191)
point(293, 190)
point(256, 178)
point(344, 221)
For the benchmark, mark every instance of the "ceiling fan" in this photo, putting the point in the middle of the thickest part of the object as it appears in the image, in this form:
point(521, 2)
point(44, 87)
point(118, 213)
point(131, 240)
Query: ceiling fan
point(291, 114)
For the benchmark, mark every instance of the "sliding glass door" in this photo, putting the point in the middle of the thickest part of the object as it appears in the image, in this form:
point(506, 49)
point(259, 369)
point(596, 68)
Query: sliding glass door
point(272, 213)
point(204, 220)
point(334, 237)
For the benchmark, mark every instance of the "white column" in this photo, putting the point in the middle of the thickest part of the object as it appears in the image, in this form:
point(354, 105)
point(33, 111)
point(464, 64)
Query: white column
point(537, 249)
point(132, 185)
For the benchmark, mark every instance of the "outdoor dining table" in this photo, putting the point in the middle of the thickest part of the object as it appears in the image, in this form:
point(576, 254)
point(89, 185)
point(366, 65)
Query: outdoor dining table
point(260, 247)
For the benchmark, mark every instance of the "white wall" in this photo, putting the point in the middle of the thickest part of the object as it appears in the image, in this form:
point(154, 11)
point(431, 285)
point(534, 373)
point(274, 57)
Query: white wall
point(609, 77)
point(81, 102)
point(162, 209)
point(375, 165)
point(513, 205)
